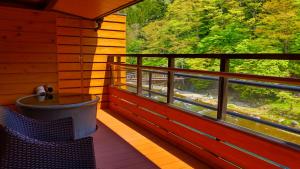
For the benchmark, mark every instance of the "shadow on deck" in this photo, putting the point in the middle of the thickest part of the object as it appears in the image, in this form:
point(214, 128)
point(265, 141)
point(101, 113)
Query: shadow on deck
point(119, 143)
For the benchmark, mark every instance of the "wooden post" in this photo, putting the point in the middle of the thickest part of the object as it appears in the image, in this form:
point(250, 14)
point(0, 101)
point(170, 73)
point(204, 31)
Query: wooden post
point(119, 72)
point(170, 92)
point(223, 90)
point(139, 79)
point(110, 60)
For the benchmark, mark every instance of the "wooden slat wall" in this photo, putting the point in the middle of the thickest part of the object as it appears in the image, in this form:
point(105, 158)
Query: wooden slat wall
point(64, 51)
point(27, 52)
point(82, 53)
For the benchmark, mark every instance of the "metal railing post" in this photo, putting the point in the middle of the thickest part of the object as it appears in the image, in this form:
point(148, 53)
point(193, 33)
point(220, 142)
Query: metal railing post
point(150, 83)
point(223, 89)
point(170, 91)
point(139, 79)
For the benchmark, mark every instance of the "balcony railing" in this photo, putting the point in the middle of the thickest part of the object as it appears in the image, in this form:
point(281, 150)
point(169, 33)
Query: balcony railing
point(223, 77)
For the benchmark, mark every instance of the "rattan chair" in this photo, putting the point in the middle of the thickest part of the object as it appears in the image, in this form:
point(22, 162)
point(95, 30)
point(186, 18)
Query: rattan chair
point(30, 144)
point(55, 130)
point(21, 152)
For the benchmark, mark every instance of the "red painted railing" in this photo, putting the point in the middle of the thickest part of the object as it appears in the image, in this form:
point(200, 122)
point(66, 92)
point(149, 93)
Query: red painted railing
point(211, 141)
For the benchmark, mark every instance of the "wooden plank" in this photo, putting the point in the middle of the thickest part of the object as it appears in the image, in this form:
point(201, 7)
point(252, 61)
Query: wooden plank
point(105, 25)
point(31, 37)
point(95, 90)
point(115, 18)
point(95, 74)
point(28, 68)
point(27, 47)
point(28, 15)
point(69, 83)
point(103, 50)
point(68, 22)
point(103, 33)
point(64, 40)
point(28, 78)
point(27, 26)
point(68, 49)
point(29, 88)
point(28, 58)
point(69, 66)
point(242, 139)
point(69, 75)
point(68, 58)
point(62, 31)
point(96, 82)
point(103, 42)
point(95, 58)
point(94, 66)
point(70, 91)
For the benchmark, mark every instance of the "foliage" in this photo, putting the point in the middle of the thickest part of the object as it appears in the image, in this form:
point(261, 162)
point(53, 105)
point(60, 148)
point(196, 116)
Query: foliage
point(221, 26)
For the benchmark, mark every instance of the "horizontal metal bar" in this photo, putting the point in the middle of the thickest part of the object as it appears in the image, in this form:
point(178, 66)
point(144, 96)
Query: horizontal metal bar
point(282, 127)
point(249, 83)
point(283, 80)
point(219, 56)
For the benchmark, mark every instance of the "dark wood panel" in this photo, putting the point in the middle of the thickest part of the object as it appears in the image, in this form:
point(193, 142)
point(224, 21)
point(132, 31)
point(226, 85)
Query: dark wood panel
point(19, 47)
point(68, 57)
point(28, 68)
point(28, 58)
point(27, 15)
point(28, 78)
point(27, 26)
point(30, 37)
point(28, 88)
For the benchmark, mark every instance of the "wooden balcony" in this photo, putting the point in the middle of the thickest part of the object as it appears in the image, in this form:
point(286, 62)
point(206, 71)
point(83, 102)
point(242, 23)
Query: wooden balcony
point(84, 56)
point(120, 143)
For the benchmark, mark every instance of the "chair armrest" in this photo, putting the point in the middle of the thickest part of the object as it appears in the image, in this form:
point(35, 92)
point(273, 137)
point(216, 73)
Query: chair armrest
point(19, 151)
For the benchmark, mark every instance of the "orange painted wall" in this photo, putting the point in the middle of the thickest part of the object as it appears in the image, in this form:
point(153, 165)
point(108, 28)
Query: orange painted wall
point(66, 52)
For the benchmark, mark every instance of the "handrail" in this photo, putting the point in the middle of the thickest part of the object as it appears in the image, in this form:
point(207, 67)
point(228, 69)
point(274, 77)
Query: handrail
point(218, 56)
point(223, 76)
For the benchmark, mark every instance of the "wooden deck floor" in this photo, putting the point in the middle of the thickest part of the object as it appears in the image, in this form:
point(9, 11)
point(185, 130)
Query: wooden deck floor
point(119, 143)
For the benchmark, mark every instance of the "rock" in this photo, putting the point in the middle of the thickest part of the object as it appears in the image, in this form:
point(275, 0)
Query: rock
point(294, 123)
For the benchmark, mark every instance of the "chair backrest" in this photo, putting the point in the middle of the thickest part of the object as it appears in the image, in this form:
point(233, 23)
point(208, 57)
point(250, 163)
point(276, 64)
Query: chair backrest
point(13, 120)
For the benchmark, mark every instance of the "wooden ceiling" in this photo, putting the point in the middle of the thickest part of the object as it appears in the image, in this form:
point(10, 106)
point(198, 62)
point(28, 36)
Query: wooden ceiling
point(90, 9)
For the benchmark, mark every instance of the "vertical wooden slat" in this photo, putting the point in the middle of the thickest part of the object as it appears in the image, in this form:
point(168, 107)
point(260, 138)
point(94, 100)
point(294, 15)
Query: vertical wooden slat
point(139, 76)
point(170, 92)
point(223, 89)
